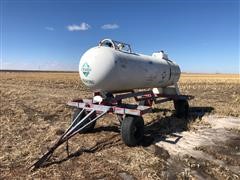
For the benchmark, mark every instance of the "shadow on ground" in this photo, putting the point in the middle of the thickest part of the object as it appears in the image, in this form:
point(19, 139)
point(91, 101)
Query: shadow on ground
point(107, 143)
point(159, 128)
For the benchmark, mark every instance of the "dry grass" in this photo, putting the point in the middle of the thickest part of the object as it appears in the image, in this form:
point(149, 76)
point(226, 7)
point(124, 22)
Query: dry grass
point(220, 91)
point(33, 109)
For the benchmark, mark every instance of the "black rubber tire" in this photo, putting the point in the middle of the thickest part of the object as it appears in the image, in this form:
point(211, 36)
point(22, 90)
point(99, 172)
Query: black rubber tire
point(89, 127)
point(182, 108)
point(145, 103)
point(132, 130)
point(142, 103)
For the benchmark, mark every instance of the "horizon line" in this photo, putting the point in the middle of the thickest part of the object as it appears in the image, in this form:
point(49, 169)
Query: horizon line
point(74, 71)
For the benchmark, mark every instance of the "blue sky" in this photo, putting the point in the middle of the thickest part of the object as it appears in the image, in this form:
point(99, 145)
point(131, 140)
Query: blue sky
point(201, 36)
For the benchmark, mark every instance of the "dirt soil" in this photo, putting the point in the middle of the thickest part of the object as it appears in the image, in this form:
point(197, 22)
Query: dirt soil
point(33, 114)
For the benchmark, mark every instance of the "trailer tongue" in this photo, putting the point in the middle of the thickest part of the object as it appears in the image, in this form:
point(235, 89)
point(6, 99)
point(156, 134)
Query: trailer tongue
point(130, 116)
point(75, 127)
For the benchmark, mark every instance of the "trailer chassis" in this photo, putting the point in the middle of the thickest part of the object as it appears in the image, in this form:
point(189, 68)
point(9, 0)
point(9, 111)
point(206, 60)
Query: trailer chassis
point(129, 115)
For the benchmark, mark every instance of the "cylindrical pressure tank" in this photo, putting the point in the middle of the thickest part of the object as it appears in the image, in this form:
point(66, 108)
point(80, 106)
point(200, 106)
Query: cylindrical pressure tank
point(112, 67)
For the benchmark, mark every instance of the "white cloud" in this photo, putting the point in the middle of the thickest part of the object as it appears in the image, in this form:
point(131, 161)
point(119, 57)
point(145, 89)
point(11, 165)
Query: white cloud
point(49, 28)
point(82, 27)
point(110, 26)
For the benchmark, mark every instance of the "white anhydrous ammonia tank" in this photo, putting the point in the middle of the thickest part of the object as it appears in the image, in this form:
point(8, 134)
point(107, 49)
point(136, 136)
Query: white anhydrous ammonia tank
point(112, 67)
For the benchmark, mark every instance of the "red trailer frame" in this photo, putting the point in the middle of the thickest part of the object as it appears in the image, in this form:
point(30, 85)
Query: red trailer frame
point(126, 112)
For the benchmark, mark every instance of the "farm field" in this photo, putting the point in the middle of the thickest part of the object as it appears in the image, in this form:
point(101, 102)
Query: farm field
point(205, 145)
